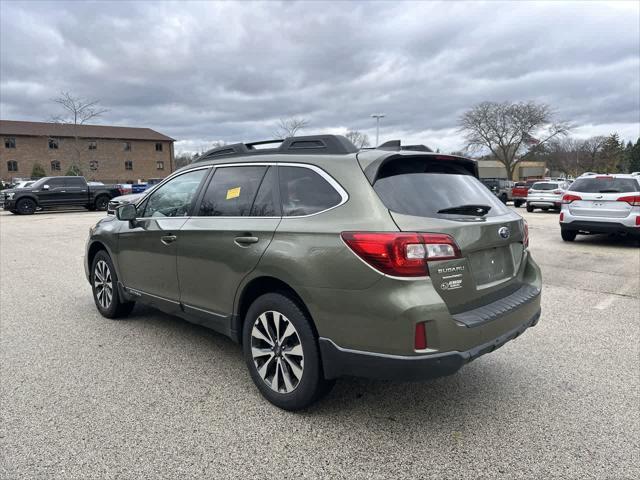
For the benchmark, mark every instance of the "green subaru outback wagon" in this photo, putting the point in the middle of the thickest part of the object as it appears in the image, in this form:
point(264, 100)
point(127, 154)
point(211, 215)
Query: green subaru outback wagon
point(322, 261)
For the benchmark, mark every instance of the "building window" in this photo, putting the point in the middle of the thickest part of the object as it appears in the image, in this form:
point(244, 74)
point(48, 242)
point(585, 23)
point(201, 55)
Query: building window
point(10, 142)
point(55, 165)
point(128, 164)
point(53, 143)
point(160, 165)
point(12, 166)
point(158, 147)
point(93, 165)
point(93, 145)
point(127, 146)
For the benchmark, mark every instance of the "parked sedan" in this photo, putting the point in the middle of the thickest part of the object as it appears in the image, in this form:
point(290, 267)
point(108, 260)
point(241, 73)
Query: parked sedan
point(546, 195)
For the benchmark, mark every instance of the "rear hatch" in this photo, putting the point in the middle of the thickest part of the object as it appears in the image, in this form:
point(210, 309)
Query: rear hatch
point(545, 191)
point(425, 195)
point(603, 196)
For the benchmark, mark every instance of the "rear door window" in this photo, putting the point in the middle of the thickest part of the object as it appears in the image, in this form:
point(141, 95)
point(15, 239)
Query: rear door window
point(605, 185)
point(304, 192)
point(421, 189)
point(232, 191)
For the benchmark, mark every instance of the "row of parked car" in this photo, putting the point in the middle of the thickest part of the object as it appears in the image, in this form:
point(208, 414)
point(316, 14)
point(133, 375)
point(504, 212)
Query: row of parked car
point(27, 196)
point(592, 203)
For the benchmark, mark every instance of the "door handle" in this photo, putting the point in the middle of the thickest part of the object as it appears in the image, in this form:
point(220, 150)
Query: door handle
point(167, 239)
point(245, 241)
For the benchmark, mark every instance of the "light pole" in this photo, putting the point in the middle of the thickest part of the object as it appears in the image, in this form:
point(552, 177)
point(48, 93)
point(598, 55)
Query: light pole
point(377, 116)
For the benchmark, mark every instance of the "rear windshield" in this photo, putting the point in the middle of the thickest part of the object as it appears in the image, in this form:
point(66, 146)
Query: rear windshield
point(544, 186)
point(424, 194)
point(605, 185)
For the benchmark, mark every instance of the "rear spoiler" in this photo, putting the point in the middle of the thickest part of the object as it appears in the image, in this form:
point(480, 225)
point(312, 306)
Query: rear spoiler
point(371, 165)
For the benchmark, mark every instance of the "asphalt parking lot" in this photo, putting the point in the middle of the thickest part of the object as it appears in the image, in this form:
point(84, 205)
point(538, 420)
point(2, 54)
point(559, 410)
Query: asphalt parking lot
point(152, 396)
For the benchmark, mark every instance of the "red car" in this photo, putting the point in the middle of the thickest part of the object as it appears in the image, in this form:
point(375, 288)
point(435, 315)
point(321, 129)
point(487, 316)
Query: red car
point(520, 191)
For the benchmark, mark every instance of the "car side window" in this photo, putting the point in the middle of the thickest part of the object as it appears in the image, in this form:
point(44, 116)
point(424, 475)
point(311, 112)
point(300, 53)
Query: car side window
point(55, 183)
point(303, 192)
point(232, 191)
point(75, 182)
point(174, 198)
point(267, 202)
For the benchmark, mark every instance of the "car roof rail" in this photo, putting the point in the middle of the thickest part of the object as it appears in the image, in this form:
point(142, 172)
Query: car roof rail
point(303, 145)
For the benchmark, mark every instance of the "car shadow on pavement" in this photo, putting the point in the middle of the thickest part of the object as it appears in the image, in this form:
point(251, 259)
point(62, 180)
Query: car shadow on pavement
point(609, 240)
point(466, 393)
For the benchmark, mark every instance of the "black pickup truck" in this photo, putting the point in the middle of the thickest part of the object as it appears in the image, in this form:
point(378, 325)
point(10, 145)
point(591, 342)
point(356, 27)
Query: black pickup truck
point(50, 192)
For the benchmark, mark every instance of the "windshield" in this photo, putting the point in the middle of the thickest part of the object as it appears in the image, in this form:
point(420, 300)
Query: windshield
point(544, 186)
point(426, 194)
point(605, 185)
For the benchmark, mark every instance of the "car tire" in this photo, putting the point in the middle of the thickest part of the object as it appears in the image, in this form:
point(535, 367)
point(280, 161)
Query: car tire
point(275, 326)
point(568, 235)
point(503, 198)
point(101, 203)
point(104, 285)
point(26, 206)
point(517, 203)
point(529, 208)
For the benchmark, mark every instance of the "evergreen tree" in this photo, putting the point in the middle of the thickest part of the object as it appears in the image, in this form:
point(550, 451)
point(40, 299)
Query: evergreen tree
point(74, 171)
point(612, 153)
point(38, 171)
point(634, 161)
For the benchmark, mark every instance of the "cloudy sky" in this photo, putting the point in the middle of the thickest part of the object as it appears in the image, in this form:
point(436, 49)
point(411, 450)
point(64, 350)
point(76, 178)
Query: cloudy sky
point(208, 71)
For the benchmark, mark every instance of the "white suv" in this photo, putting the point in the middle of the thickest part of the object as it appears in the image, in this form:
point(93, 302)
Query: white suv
point(601, 204)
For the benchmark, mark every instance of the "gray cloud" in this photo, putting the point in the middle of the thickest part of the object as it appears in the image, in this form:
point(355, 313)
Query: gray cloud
point(208, 71)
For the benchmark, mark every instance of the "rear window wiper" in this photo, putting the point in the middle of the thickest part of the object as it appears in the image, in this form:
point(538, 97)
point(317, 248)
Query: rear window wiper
point(467, 210)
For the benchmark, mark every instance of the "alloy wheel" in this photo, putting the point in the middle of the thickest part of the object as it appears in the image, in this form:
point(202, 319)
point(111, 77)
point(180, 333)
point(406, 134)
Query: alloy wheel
point(103, 284)
point(277, 352)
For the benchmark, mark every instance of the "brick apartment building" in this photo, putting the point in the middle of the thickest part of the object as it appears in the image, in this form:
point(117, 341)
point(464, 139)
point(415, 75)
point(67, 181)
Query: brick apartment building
point(103, 153)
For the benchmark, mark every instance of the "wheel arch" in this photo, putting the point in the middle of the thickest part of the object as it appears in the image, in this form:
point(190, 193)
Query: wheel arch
point(30, 197)
point(94, 248)
point(255, 288)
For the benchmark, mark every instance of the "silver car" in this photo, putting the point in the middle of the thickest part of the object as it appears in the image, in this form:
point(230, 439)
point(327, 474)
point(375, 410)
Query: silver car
point(546, 195)
point(115, 202)
point(601, 204)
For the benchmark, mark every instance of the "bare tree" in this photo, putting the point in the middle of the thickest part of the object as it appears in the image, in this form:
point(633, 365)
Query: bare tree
point(509, 130)
point(589, 154)
point(288, 127)
point(358, 138)
point(76, 111)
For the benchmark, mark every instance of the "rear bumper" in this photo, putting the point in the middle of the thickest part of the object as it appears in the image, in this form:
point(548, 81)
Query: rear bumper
point(339, 361)
point(600, 227)
point(551, 203)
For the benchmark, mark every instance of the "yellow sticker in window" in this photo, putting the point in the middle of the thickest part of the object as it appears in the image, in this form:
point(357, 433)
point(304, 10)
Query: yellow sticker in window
point(233, 193)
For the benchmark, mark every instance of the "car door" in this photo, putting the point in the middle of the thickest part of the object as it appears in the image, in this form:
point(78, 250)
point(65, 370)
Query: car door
point(53, 193)
point(223, 241)
point(77, 192)
point(147, 246)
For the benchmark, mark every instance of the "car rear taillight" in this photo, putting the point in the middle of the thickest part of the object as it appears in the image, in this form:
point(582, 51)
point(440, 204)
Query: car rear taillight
point(401, 254)
point(420, 342)
point(638, 221)
point(568, 198)
point(561, 216)
point(633, 200)
point(122, 191)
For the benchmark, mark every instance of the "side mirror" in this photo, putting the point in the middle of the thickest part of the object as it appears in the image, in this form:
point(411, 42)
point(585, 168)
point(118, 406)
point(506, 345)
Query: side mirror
point(45, 187)
point(126, 212)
